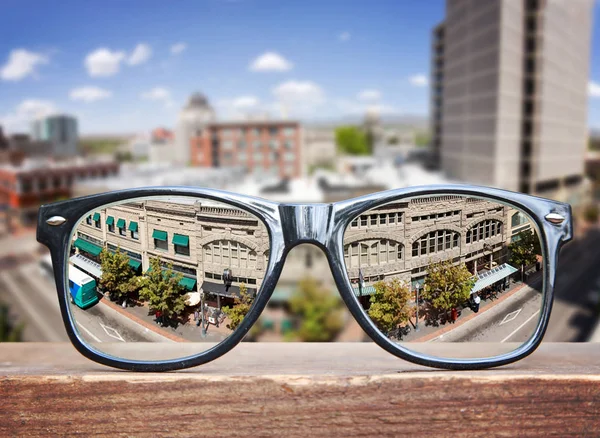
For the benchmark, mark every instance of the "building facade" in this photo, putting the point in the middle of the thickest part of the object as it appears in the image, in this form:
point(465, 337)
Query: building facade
point(62, 133)
point(27, 186)
point(194, 117)
point(509, 93)
point(199, 240)
point(400, 240)
point(271, 148)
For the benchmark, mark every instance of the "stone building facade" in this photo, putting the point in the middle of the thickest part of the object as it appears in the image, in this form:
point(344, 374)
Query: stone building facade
point(199, 240)
point(402, 239)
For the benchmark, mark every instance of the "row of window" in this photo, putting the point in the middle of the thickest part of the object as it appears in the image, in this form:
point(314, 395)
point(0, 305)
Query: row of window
point(273, 131)
point(258, 146)
point(435, 241)
point(121, 225)
point(372, 253)
point(484, 230)
point(240, 280)
point(436, 216)
point(229, 253)
point(374, 220)
point(259, 157)
point(181, 242)
point(494, 210)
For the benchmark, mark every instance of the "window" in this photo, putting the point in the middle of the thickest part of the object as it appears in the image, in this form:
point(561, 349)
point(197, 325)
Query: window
point(391, 218)
point(160, 240)
point(484, 230)
point(110, 222)
point(88, 220)
point(121, 227)
point(382, 219)
point(373, 219)
point(364, 255)
point(181, 244)
point(434, 242)
point(518, 219)
point(363, 221)
point(354, 223)
point(229, 254)
point(133, 228)
point(273, 131)
point(96, 219)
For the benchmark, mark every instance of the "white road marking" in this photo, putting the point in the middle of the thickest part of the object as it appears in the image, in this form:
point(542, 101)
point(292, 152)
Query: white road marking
point(16, 292)
point(112, 332)
point(88, 332)
point(510, 316)
point(520, 327)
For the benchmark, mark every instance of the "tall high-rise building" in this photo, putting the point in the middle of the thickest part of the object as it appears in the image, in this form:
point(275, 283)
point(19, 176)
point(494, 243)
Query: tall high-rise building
point(509, 93)
point(61, 131)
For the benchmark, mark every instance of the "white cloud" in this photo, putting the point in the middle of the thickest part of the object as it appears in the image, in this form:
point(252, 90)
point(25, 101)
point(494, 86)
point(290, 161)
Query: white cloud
point(245, 102)
point(140, 54)
point(344, 36)
point(89, 94)
point(594, 89)
point(21, 63)
point(419, 80)
point(103, 62)
point(25, 112)
point(159, 94)
point(299, 92)
point(270, 61)
point(369, 94)
point(176, 49)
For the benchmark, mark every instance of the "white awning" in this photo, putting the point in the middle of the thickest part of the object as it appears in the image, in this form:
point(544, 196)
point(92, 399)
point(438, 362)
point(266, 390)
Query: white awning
point(492, 276)
point(89, 266)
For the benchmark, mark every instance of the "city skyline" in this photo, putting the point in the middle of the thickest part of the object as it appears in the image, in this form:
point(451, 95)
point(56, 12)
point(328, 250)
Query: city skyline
point(330, 62)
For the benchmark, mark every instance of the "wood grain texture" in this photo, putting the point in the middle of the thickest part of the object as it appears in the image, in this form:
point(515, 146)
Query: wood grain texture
point(299, 390)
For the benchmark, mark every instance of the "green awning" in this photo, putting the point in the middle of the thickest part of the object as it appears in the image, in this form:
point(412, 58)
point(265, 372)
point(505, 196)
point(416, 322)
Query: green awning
point(188, 283)
point(159, 235)
point(181, 240)
point(135, 264)
point(121, 223)
point(110, 220)
point(96, 216)
point(88, 247)
point(367, 290)
point(133, 226)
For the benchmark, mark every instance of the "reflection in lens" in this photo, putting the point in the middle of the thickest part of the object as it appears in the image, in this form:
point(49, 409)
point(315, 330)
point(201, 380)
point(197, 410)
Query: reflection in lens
point(449, 276)
point(180, 271)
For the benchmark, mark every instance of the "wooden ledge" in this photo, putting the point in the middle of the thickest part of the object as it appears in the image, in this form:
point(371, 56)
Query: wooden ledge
point(269, 389)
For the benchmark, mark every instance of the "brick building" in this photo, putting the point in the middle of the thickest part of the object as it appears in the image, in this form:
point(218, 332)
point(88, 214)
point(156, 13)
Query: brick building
point(24, 187)
point(266, 147)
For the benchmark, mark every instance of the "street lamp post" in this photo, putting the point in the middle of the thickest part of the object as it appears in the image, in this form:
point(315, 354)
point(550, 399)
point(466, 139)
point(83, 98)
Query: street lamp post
point(203, 319)
point(417, 310)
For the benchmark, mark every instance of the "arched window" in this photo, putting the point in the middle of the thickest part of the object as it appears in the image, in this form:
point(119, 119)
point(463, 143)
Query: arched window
point(484, 230)
point(435, 241)
point(372, 253)
point(518, 219)
point(228, 253)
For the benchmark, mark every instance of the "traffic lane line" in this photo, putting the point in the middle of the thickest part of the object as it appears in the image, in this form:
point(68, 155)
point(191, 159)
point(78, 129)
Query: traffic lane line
point(88, 332)
point(520, 327)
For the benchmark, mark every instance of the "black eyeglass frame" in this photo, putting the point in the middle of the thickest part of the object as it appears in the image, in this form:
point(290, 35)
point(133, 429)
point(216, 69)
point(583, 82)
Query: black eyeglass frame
point(290, 225)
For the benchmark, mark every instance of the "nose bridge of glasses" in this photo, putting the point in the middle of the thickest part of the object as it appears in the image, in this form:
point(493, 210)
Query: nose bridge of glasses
point(305, 223)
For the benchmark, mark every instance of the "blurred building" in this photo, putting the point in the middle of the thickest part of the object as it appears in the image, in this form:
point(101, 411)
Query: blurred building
point(320, 149)
point(509, 94)
point(193, 118)
point(34, 182)
point(262, 147)
point(60, 131)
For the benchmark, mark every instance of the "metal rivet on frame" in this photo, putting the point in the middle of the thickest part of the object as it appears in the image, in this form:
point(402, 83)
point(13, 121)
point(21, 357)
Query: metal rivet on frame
point(555, 218)
point(56, 220)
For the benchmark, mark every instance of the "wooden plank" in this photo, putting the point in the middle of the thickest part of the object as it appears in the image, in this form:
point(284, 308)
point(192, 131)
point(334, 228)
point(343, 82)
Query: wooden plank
point(299, 390)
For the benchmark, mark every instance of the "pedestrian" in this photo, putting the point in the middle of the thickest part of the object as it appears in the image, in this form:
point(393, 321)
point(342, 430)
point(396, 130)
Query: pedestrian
point(196, 315)
point(476, 302)
point(454, 314)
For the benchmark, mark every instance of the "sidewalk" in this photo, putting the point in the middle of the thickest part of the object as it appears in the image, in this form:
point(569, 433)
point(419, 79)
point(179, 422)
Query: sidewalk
point(187, 332)
point(428, 333)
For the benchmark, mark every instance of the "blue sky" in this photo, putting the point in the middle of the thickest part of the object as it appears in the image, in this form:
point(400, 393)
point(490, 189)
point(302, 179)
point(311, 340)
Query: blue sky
point(130, 66)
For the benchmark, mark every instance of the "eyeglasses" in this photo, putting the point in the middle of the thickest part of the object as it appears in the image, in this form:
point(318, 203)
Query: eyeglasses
point(158, 279)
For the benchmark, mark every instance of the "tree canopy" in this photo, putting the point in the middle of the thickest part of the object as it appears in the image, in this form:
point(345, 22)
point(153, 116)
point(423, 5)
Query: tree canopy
point(391, 305)
point(319, 310)
point(351, 140)
point(447, 285)
point(161, 289)
point(525, 248)
point(118, 278)
point(241, 307)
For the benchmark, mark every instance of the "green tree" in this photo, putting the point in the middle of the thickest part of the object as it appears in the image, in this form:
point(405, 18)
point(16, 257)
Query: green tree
point(422, 138)
point(162, 291)
point(391, 305)
point(8, 331)
point(351, 140)
point(118, 278)
point(319, 311)
point(524, 250)
point(447, 285)
point(241, 306)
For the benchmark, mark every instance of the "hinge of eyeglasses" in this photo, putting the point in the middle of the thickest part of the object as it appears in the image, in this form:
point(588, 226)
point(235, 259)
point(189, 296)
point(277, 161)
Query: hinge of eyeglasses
point(555, 218)
point(56, 220)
